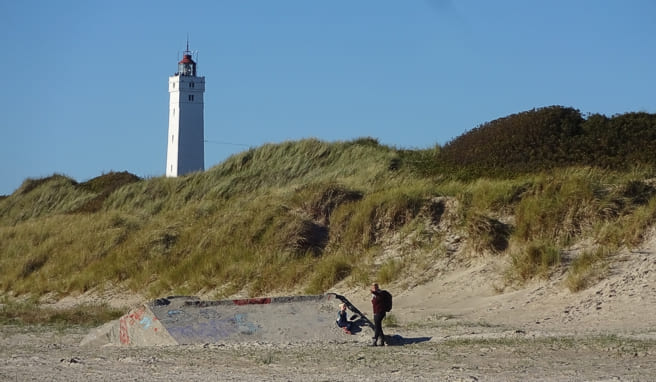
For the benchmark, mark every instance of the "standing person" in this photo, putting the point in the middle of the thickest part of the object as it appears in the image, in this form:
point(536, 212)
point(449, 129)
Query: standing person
point(379, 314)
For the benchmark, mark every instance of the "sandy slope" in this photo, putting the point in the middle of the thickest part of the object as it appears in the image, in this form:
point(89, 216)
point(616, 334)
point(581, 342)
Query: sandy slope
point(457, 327)
point(622, 303)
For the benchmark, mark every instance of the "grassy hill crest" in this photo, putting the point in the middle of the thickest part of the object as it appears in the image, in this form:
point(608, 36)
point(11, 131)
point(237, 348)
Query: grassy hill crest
point(299, 217)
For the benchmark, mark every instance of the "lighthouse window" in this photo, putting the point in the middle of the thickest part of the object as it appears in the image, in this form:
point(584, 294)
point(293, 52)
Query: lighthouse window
point(191, 97)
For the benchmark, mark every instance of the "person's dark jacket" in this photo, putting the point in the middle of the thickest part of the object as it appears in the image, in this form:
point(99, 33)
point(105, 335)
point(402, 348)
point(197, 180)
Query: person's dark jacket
point(342, 321)
point(378, 304)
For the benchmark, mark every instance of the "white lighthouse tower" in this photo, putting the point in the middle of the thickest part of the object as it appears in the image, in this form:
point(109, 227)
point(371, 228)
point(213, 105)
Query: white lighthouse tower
point(186, 140)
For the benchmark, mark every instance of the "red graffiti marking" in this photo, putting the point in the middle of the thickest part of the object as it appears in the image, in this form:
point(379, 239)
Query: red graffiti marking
point(136, 316)
point(248, 301)
point(123, 335)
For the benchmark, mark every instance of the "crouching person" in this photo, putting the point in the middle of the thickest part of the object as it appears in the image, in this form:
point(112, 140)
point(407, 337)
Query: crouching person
point(342, 321)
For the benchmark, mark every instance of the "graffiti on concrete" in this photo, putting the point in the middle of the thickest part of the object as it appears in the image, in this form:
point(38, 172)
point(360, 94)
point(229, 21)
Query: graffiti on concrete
point(123, 335)
point(208, 324)
point(172, 313)
point(249, 301)
point(243, 326)
point(209, 314)
point(128, 322)
point(146, 322)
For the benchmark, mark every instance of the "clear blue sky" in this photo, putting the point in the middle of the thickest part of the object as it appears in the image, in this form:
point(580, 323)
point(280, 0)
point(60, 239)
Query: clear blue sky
point(84, 89)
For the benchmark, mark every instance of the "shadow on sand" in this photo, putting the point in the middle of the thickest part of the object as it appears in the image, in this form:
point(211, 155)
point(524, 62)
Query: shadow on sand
point(397, 340)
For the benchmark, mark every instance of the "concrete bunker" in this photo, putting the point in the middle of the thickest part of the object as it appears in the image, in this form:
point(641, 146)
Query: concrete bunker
point(178, 320)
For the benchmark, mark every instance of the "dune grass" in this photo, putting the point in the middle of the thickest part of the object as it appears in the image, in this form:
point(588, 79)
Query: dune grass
point(535, 259)
point(587, 268)
point(31, 313)
point(299, 217)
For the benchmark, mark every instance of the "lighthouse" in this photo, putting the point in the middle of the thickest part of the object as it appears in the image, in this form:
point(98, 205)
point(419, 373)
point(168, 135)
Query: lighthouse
point(186, 140)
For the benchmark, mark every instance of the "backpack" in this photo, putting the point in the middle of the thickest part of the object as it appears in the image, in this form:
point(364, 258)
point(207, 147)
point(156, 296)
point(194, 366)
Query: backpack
point(387, 300)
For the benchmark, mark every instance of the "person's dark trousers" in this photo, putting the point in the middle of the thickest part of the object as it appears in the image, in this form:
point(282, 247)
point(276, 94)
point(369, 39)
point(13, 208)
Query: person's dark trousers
point(378, 327)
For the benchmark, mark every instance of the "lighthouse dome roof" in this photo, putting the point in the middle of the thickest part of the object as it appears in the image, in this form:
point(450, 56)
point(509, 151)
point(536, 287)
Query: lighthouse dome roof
point(186, 59)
